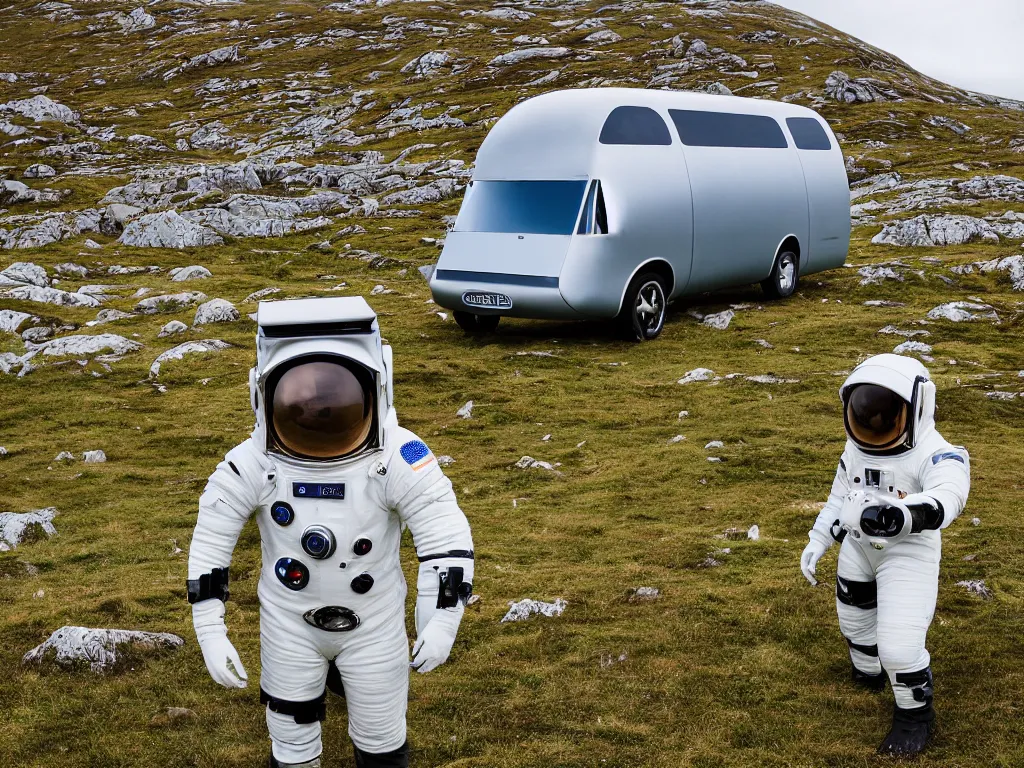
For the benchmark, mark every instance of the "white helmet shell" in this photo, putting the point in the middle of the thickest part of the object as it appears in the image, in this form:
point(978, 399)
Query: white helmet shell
point(908, 378)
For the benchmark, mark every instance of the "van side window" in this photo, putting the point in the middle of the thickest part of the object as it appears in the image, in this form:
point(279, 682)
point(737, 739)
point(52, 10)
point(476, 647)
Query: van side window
point(635, 125)
point(594, 220)
point(723, 129)
point(808, 133)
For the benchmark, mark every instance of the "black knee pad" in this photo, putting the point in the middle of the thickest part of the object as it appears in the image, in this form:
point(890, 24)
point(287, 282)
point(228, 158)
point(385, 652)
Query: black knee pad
point(919, 683)
point(859, 594)
point(398, 758)
point(867, 650)
point(304, 712)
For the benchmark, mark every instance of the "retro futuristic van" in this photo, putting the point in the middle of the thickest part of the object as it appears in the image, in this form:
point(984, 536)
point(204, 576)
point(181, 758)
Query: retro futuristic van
point(612, 202)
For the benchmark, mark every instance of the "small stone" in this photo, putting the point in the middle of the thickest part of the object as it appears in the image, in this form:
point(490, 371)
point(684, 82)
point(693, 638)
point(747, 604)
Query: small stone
point(97, 647)
point(216, 311)
point(720, 320)
point(676, 439)
point(94, 457)
point(466, 411)
point(754, 533)
point(713, 445)
point(644, 594)
point(524, 609)
point(64, 456)
point(194, 272)
point(976, 587)
point(17, 527)
point(683, 415)
point(173, 327)
point(975, 521)
point(445, 461)
point(697, 374)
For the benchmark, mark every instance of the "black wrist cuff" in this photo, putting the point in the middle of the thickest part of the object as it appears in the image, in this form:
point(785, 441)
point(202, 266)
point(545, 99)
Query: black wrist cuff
point(210, 585)
point(925, 517)
point(465, 553)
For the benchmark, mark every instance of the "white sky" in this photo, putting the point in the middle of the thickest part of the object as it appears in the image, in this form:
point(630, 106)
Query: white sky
point(973, 44)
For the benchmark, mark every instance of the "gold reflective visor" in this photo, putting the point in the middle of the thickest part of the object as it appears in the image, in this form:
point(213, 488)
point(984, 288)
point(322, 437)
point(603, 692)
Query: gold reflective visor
point(876, 417)
point(321, 409)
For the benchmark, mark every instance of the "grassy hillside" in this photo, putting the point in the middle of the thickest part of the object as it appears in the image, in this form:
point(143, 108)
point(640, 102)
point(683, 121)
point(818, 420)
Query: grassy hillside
point(735, 664)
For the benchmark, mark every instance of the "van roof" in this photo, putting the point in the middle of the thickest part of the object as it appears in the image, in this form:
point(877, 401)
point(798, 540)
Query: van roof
point(555, 134)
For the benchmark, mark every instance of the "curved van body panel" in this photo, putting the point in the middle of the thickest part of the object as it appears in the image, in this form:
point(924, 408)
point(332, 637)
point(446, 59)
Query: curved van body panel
point(715, 214)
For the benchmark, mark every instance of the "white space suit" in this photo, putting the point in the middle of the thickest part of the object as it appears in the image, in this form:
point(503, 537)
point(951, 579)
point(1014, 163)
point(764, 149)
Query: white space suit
point(898, 483)
point(332, 480)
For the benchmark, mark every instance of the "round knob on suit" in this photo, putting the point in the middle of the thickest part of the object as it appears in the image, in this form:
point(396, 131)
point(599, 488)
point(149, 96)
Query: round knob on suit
point(362, 547)
point(361, 584)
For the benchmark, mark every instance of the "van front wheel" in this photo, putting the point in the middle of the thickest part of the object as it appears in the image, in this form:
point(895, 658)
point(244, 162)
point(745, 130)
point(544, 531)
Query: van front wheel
point(472, 323)
point(643, 309)
point(785, 275)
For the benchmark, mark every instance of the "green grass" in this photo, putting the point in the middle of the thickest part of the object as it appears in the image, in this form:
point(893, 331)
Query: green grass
point(739, 665)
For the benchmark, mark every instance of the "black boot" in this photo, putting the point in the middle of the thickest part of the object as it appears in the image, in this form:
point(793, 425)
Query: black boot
point(275, 764)
point(871, 682)
point(398, 758)
point(911, 729)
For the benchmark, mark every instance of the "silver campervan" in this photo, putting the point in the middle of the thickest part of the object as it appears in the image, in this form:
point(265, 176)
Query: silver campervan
point(612, 202)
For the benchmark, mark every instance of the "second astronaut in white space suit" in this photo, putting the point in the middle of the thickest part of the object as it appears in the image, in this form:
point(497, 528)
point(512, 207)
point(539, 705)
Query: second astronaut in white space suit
point(898, 484)
point(332, 480)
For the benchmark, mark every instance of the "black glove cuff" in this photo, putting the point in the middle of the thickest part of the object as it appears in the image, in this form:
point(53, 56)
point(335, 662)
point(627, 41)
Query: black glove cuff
point(210, 585)
point(925, 517)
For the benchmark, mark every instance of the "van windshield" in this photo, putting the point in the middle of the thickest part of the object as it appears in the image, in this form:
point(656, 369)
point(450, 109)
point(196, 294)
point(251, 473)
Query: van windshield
point(532, 207)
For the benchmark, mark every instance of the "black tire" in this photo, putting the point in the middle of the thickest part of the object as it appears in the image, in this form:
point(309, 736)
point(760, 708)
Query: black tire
point(472, 323)
point(644, 306)
point(785, 276)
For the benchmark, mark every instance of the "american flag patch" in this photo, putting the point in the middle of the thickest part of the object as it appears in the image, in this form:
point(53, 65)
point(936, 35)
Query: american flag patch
point(416, 454)
point(948, 455)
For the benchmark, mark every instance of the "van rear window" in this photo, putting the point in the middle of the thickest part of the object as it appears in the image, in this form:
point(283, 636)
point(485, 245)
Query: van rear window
point(530, 207)
point(635, 125)
point(723, 129)
point(808, 133)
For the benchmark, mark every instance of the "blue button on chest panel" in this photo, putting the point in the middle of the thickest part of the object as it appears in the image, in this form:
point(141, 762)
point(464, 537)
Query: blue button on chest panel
point(318, 490)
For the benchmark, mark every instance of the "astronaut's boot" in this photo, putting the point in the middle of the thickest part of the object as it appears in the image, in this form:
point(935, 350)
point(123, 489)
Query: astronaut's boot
point(871, 682)
point(275, 763)
point(911, 729)
point(398, 758)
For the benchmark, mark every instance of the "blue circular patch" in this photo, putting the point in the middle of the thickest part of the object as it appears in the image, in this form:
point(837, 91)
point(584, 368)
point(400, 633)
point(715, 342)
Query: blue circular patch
point(413, 451)
point(281, 512)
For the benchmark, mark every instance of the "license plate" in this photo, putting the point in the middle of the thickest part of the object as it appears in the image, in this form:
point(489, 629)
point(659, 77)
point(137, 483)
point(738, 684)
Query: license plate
point(488, 300)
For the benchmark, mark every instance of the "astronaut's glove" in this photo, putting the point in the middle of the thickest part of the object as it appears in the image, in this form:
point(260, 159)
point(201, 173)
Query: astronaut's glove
point(218, 652)
point(886, 519)
point(853, 508)
point(434, 643)
point(809, 559)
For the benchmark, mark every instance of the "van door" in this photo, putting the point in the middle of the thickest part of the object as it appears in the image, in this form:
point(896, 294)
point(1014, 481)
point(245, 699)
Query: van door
point(748, 195)
point(828, 194)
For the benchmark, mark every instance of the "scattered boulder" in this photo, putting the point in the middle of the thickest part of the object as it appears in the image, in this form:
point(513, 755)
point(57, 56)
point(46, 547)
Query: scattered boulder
point(115, 216)
point(169, 302)
point(41, 109)
point(99, 648)
point(976, 587)
point(109, 316)
point(18, 527)
point(928, 230)
point(603, 36)
point(523, 609)
point(188, 348)
point(53, 296)
point(720, 320)
point(39, 171)
point(466, 411)
point(871, 275)
point(644, 594)
point(963, 311)
point(841, 87)
point(136, 21)
point(10, 320)
point(428, 64)
point(216, 311)
point(195, 272)
point(24, 273)
point(445, 461)
point(225, 55)
point(173, 327)
point(86, 346)
point(94, 457)
point(528, 462)
point(526, 54)
point(697, 374)
point(914, 347)
point(167, 230)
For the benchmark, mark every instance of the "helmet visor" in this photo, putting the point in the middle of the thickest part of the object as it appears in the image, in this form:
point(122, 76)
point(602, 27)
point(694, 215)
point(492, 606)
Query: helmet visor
point(321, 409)
point(876, 417)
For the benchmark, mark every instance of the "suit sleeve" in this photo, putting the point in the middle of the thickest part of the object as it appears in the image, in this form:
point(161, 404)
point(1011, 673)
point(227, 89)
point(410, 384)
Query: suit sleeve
point(423, 497)
point(946, 479)
point(822, 529)
point(232, 493)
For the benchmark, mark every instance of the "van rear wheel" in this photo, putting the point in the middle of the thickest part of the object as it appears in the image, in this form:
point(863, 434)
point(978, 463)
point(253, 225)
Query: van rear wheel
point(785, 275)
point(472, 323)
point(643, 309)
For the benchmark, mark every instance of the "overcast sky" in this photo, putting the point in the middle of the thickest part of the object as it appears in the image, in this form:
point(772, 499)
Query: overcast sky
point(973, 44)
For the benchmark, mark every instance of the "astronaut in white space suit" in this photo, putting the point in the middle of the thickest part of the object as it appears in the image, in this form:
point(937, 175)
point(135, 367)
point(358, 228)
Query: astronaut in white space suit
point(332, 480)
point(898, 484)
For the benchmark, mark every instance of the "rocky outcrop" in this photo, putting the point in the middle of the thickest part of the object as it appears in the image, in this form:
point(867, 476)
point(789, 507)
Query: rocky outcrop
point(841, 87)
point(216, 311)
point(188, 348)
point(225, 55)
point(101, 649)
point(16, 527)
point(527, 54)
point(41, 109)
point(169, 302)
point(86, 346)
point(167, 230)
point(927, 231)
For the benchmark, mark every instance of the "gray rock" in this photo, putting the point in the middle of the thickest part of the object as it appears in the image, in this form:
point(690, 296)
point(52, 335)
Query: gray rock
point(523, 609)
point(94, 457)
point(10, 320)
point(216, 311)
point(136, 21)
point(603, 36)
point(428, 64)
point(914, 347)
point(928, 230)
point(11, 363)
point(16, 526)
point(169, 302)
point(697, 374)
point(526, 54)
point(976, 587)
point(841, 87)
point(173, 327)
point(954, 125)
point(188, 348)
point(644, 594)
point(508, 14)
point(82, 346)
point(963, 311)
point(431, 192)
point(24, 273)
point(68, 269)
point(41, 109)
point(39, 171)
point(167, 230)
point(109, 316)
point(225, 55)
point(720, 320)
point(14, 192)
point(38, 334)
point(115, 216)
point(194, 272)
point(53, 296)
point(466, 411)
point(99, 648)
point(528, 462)
point(874, 275)
point(262, 293)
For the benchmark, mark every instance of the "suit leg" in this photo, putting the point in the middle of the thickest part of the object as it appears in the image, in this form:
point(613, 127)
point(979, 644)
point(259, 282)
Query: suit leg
point(856, 604)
